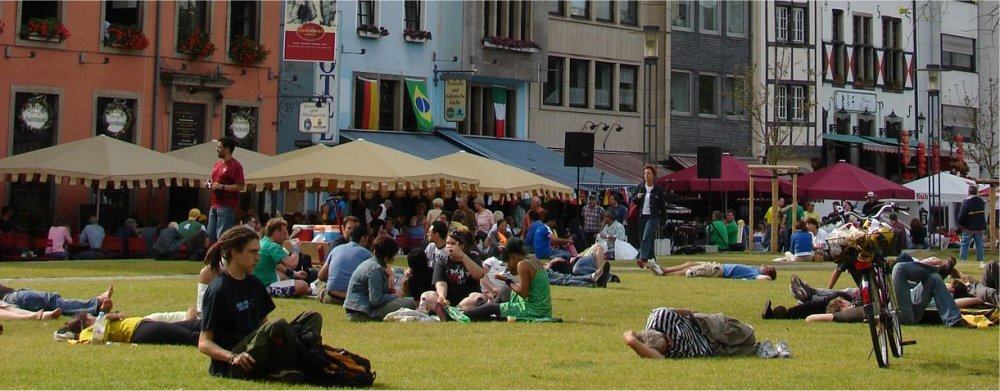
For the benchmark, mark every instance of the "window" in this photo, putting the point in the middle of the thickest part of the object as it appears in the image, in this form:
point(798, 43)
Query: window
point(680, 92)
point(730, 106)
point(736, 18)
point(628, 12)
point(387, 90)
point(557, 7)
point(392, 104)
point(893, 127)
point(604, 11)
point(895, 66)
point(507, 19)
point(958, 120)
point(603, 75)
point(707, 98)
point(864, 52)
point(36, 132)
point(781, 24)
point(242, 20)
point(192, 18)
point(123, 13)
point(681, 15)
point(839, 49)
point(40, 10)
point(798, 102)
point(627, 75)
point(709, 11)
point(241, 124)
point(958, 53)
point(366, 12)
point(579, 9)
point(411, 15)
point(781, 101)
point(481, 120)
point(115, 117)
point(798, 25)
point(579, 75)
point(552, 90)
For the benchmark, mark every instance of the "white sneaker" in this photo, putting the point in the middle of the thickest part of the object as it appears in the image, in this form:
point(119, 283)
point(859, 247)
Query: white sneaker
point(783, 350)
point(982, 265)
point(767, 350)
point(655, 267)
point(63, 335)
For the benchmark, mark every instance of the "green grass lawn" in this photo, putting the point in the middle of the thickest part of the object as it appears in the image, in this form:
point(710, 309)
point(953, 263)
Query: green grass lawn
point(584, 352)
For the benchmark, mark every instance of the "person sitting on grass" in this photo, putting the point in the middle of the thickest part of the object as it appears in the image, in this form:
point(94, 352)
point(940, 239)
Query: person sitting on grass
point(535, 224)
point(136, 330)
point(235, 333)
point(547, 244)
point(34, 301)
point(59, 240)
point(340, 265)
point(530, 299)
point(682, 333)
point(611, 233)
point(92, 236)
point(370, 293)
point(800, 246)
point(456, 278)
point(274, 259)
point(11, 312)
point(722, 270)
point(718, 232)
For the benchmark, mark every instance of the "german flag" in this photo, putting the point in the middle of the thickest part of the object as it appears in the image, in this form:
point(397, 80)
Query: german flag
point(369, 103)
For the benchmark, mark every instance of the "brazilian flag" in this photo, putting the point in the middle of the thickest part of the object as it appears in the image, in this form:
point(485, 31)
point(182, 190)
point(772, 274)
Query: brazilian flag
point(421, 103)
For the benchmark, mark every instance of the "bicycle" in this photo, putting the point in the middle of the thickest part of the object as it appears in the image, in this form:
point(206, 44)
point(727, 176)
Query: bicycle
point(865, 250)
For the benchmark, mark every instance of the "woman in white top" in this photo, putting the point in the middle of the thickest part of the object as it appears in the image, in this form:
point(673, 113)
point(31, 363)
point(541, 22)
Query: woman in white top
point(649, 201)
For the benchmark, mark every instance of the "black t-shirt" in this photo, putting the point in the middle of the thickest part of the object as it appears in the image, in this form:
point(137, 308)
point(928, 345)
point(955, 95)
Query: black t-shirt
point(460, 281)
point(232, 310)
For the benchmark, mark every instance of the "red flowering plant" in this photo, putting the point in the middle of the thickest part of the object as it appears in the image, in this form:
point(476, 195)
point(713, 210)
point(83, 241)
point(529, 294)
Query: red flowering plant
point(417, 34)
point(373, 29)
point(247, 51)
point(196, 45)
point(48, 29)
point(126, 37)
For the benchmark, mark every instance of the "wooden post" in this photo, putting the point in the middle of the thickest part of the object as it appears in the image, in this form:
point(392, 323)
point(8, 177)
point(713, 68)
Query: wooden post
point(993, 214)
point(776, 217)
point(749, 243)
point(795, 196)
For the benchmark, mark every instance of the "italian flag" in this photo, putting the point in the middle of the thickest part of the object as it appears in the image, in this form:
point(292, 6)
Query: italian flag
point(500, 111)
point(369, 104)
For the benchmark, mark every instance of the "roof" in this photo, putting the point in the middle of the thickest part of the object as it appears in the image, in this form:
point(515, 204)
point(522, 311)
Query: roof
point(204, 155)
point(870, 144)
point(685, 160)
point(626, 165)
point(423, 145)
point(533, 157)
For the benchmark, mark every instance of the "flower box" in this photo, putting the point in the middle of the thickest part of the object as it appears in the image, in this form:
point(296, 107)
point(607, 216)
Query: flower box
point(126, 37)
point(372, 31)
point(418, 36)
point(44, 30)
point(246, 51)
point(196, 45)
point(514, 45)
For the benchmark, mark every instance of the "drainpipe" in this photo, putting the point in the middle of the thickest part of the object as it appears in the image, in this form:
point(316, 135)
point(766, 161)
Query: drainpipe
point(156, 81)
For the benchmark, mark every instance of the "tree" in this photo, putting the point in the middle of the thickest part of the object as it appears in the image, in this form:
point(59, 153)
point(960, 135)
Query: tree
point(982, 147)
point(773, 136)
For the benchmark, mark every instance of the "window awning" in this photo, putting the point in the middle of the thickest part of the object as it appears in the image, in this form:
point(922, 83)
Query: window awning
point(684, 160)
point(866, 144)
point(423, 145)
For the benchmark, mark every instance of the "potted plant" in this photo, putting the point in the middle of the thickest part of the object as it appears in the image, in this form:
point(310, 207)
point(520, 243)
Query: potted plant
point(516, 45)
point(196, 45)
point(247, 51)
point(49, 30)
point(410, 35)
point(126, 37)
point(372, 31)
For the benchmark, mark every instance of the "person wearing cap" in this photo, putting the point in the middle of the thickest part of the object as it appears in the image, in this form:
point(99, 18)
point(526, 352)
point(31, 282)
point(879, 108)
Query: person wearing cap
point(872, 204)
point(226, 184)
point(194, 234)
point(530, 298)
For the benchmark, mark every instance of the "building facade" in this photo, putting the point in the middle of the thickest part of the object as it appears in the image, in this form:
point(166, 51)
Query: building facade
point(710, 45)
point(595, 73)
point(158, 74)
point(867, 99)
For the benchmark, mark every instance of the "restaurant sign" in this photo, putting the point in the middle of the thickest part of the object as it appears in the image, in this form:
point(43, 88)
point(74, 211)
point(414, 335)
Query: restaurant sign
point(117, 117)
point(36, 114)
point(241, 124)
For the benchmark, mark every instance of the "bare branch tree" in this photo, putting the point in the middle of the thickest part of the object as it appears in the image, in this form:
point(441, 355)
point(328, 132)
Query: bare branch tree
point(770, 134)
point(983, 148)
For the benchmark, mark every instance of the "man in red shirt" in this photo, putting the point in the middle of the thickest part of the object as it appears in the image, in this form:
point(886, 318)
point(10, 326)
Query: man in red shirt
point(226, 184)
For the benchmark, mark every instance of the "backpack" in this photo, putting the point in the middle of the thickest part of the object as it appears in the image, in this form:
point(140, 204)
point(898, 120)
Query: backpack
point(327, 366)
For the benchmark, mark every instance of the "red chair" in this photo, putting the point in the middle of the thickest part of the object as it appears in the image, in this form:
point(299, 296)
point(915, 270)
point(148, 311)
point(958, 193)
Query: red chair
point(113, 246)
point(137, 246)
point(7, 248)
point(38, 245)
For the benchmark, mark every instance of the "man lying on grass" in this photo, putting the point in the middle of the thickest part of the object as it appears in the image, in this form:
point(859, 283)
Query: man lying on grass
point(722, 270)
point(681, 333)
point(47, 303)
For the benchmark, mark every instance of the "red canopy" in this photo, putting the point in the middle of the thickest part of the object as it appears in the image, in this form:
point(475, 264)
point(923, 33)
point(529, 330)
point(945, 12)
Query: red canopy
point(844, 181)
point(735, 178)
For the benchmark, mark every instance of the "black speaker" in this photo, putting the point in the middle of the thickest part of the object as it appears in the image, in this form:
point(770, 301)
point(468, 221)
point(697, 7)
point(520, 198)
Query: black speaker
point(709, 162)
point(579, 150)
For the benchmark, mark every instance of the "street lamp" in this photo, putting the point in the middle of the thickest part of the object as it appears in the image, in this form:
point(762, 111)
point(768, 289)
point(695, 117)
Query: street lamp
point(933, 140)
point(650, 54)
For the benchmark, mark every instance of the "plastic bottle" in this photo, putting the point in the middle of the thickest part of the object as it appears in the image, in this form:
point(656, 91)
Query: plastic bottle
point(99, 326)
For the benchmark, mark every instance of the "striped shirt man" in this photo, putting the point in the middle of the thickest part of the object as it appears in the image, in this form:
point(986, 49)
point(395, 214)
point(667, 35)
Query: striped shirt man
point(684, 334)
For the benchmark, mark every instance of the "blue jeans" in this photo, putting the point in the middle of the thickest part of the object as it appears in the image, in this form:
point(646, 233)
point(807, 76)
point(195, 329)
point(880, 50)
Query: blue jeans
point(648, 224)
point(30, 300)
point(585, 266)
point(912, 302)
point(220, 219)
point(557, 278)
point(559, 253)
point(977, 237)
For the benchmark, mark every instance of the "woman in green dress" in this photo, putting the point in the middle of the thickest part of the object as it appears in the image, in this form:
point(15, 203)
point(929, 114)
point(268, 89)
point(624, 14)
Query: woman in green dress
point(531, 300)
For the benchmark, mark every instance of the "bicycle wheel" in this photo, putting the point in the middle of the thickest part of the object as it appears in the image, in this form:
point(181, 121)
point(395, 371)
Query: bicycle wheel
point(873, 316)
point(890, 318)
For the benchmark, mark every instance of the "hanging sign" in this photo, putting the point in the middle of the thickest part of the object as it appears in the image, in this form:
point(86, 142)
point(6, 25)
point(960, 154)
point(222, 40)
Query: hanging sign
point(313, 119)
point(241, 124)
point(454, 100)
point(310, 30)
point(117, 117)
point(36, 114)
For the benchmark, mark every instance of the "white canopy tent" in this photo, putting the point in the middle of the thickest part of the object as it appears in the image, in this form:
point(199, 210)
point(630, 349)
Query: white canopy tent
point(953, 187)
